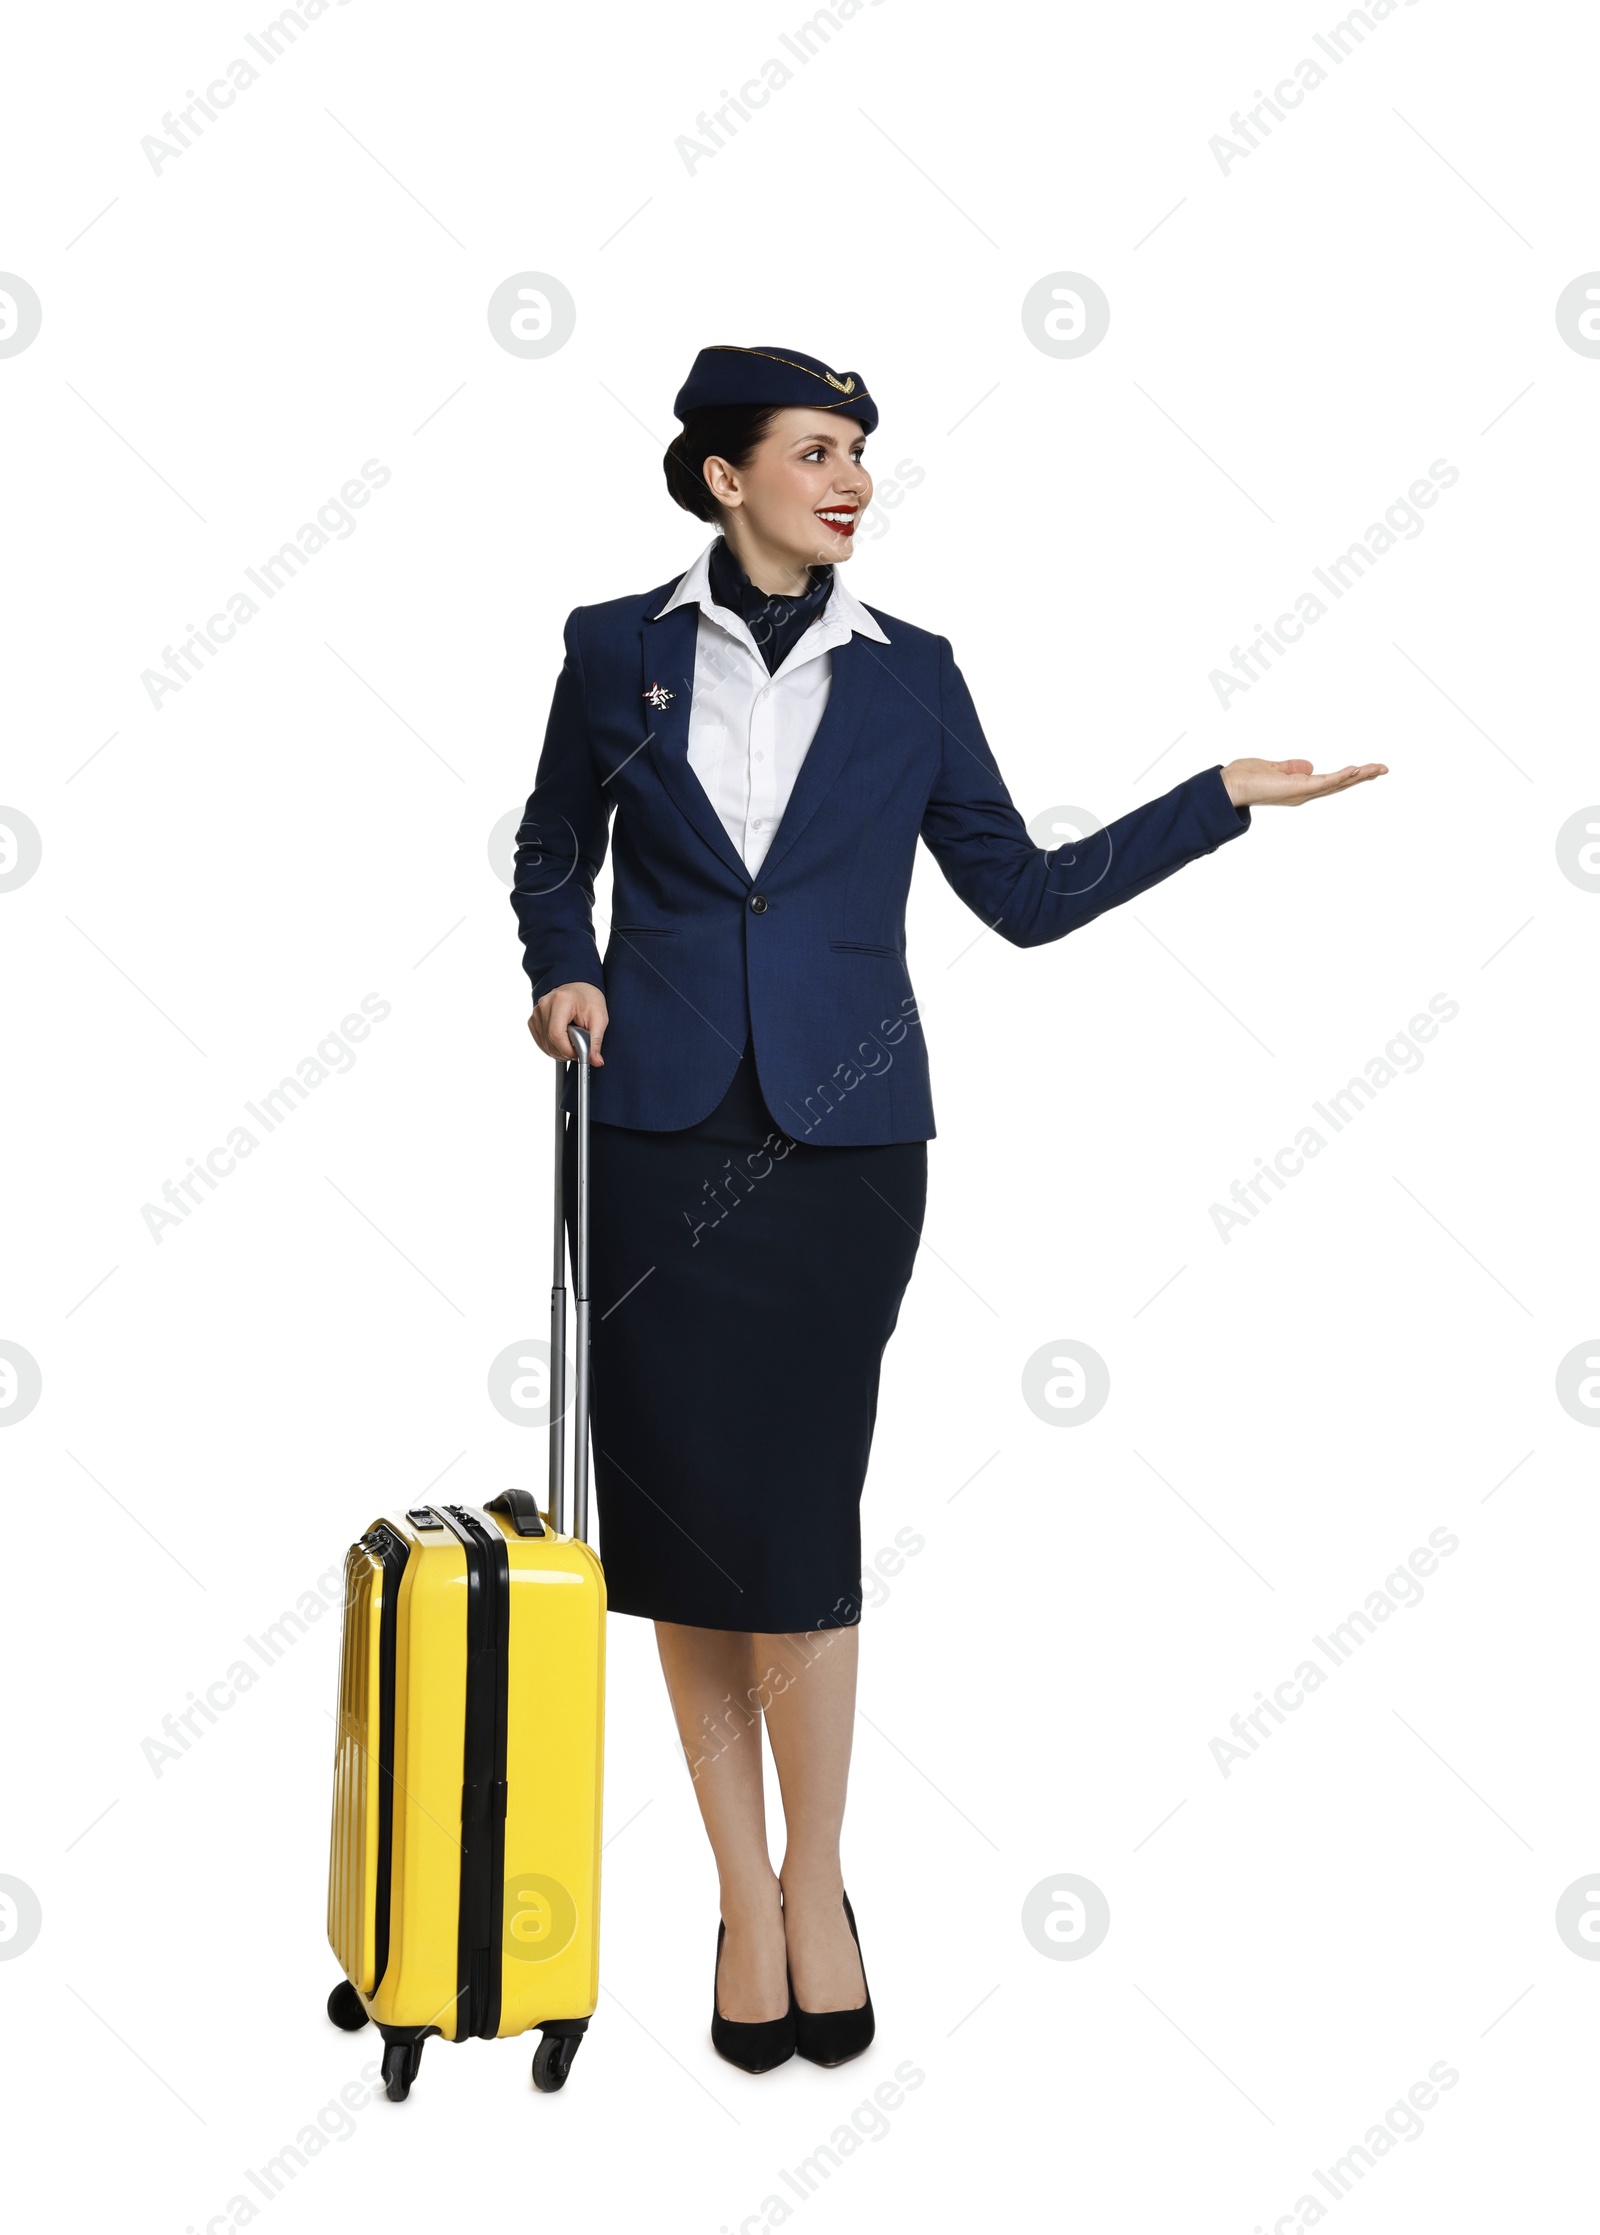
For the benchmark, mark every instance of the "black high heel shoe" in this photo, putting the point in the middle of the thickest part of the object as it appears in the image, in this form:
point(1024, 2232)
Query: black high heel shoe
point(756, 2046)
point(835, 2036)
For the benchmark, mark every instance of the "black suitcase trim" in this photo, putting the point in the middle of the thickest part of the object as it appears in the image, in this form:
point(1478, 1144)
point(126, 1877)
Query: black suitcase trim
point(392, 1553)
point(483, 1774)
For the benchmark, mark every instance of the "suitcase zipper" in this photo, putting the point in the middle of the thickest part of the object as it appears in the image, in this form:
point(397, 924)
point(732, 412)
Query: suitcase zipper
point(483, 1774)
point(391, 1552)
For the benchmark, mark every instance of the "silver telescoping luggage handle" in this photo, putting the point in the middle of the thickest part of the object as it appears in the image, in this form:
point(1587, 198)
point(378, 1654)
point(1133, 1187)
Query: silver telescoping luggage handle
point(558, 1308)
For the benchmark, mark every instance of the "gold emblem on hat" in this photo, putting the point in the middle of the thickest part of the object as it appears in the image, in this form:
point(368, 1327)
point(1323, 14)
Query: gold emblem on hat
point(845, 387)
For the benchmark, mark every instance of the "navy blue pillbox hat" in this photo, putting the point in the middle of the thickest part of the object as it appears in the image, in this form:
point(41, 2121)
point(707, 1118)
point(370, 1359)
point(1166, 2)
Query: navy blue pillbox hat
point(726, 374)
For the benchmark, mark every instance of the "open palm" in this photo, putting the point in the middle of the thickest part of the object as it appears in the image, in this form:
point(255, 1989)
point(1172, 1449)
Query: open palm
point(1290, 783)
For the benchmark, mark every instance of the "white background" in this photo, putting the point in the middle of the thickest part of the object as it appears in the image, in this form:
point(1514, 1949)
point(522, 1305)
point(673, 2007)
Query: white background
point(1374, 1357)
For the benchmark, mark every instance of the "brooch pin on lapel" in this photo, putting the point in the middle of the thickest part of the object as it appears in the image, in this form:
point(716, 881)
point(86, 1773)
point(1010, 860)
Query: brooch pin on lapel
point(658, 697)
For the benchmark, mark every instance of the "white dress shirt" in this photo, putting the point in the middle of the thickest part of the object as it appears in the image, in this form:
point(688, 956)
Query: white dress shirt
point(748, 731)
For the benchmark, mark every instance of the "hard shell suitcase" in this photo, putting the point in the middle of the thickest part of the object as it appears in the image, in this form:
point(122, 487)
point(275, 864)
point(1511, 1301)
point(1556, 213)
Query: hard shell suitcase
point(464, 1874)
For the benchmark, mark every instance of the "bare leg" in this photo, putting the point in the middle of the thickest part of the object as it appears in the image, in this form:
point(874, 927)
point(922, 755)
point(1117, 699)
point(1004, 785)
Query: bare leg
point(711, 1680)
point(807, 1686)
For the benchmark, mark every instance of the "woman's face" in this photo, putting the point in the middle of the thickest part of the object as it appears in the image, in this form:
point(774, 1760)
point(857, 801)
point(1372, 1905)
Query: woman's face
point(804, 491)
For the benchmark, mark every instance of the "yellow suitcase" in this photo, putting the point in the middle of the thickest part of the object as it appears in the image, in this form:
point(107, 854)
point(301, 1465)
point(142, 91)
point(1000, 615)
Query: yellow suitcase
point(464, 1873)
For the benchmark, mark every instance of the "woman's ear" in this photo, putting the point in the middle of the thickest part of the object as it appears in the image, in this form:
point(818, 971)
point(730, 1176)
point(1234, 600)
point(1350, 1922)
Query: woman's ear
point(722, 481)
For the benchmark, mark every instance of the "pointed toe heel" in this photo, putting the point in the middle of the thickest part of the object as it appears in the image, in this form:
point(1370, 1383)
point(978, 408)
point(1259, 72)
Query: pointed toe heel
point(835, 2036)
point(754, 2047)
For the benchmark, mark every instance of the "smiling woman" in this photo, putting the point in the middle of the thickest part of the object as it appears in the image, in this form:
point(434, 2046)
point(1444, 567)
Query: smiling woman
point(724, 451)
point(773, 751)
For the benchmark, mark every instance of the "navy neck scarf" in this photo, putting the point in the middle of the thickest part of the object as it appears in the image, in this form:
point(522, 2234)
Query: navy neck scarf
point(776, 622)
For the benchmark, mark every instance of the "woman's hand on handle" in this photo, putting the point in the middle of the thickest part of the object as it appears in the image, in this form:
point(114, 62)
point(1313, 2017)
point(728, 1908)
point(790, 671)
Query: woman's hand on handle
point(579, 1004)
point(1290, 783)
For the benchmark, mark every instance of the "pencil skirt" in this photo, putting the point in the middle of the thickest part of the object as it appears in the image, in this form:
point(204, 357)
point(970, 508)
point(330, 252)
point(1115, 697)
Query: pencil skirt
point(743, 1286)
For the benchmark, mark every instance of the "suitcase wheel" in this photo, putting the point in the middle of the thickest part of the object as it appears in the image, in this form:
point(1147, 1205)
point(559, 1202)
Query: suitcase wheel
point(552, 2060)
point(346, 2008)
point(400, 2062)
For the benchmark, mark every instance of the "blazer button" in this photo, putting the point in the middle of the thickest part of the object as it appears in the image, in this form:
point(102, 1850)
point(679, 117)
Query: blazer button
point(758, 904)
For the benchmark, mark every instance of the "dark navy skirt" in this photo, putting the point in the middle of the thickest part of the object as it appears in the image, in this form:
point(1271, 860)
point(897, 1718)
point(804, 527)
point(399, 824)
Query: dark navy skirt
point(742, 1288)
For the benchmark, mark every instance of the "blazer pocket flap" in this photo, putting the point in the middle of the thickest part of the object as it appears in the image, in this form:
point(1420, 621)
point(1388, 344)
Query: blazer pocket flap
point(862, 947)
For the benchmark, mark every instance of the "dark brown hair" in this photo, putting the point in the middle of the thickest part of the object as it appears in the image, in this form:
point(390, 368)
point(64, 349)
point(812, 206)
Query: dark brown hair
point(729, 431)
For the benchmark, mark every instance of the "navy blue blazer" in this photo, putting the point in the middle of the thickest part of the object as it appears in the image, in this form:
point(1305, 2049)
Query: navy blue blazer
point(809, 955)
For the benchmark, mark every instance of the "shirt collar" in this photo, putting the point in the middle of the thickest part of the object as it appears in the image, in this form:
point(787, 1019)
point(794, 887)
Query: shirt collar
point(844, 614)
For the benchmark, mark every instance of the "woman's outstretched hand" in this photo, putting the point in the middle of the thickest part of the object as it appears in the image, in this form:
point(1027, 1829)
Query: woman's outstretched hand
point(1290, 783)
point(563, 1005)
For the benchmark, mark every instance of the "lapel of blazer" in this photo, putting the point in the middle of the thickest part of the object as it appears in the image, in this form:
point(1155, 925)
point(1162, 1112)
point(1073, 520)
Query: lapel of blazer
point(667, 659)
point(856, 679)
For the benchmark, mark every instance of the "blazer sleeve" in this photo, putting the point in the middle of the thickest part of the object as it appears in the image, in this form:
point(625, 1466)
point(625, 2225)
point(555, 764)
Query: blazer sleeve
point(562, 840)
point(1030, 894)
